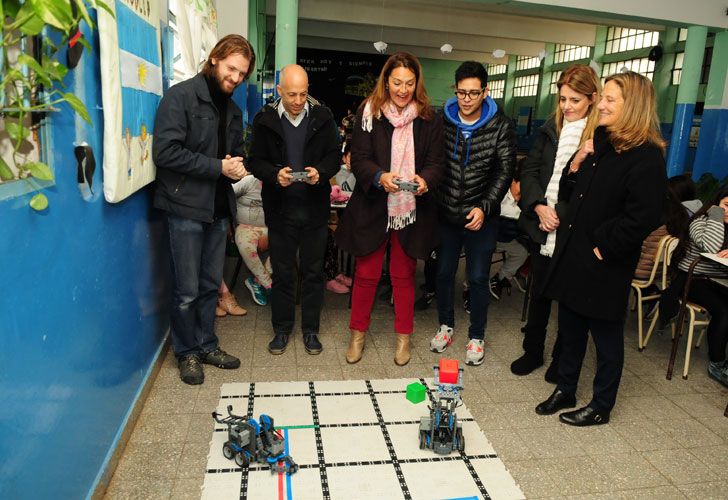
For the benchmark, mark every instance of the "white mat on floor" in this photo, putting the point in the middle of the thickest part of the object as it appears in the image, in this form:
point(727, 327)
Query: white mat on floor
point(353, 439)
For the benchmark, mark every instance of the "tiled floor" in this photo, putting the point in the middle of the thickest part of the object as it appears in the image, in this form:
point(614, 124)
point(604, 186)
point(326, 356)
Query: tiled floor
point(666, 439)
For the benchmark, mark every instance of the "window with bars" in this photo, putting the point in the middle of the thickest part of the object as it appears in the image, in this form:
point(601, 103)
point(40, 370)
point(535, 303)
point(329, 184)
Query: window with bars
point(677, 68)
point(640, 65)
point(497, 69)
point(554, 78)
point(527, 62)
point(496, 88)
point(624, 39)
point(567, 53)
point(525, 86)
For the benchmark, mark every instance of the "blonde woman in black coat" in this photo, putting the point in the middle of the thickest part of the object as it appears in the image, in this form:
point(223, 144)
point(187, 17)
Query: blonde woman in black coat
point(615, 186)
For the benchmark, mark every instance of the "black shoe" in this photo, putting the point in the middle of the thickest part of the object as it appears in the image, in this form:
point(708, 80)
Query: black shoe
point(220, 358)
point(526, 364)
point(496, 286)
point(584, 417)
point(552, 372)
point(190, 370)
point(557, 401)
point(278, 344)
point(424, 301)
point(466, 301)
point(311, 344)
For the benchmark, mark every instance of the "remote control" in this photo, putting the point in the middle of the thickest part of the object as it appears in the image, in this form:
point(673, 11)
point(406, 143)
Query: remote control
point(300, 176)
point(410, 186)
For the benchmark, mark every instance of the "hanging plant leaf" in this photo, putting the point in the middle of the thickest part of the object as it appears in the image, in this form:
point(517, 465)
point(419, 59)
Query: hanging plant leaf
point(54, 69)
point(36, 68)
point(40, 171)
point(77, 106)
point(5, 173)
point(105, 6)
point(16, 131)
point(39, 202)
point(57, 13)
point(26, 20)
point(81, 6)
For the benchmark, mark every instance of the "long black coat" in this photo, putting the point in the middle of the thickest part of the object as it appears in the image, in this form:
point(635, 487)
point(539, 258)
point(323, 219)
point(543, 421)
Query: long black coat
point(363, 227)
point(615, 201)
point(268, 155)
point(535, 176)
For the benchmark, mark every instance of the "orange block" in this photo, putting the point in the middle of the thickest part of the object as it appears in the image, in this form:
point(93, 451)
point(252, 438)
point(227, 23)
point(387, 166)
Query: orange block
point(448, 371)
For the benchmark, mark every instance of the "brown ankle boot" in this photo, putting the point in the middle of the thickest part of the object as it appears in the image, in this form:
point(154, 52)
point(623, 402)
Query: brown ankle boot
point(402, 351)
point(356, 346)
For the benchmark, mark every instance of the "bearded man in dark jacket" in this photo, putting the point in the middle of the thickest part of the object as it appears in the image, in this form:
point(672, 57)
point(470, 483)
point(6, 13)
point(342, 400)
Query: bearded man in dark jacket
point(480, 146)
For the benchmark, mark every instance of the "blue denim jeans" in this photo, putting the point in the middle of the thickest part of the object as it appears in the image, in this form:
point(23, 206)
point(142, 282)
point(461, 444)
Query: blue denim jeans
point(479, 247)
point(198, 254)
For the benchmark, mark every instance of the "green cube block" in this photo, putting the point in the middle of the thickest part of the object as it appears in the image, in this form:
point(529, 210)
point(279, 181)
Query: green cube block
point(416, 392)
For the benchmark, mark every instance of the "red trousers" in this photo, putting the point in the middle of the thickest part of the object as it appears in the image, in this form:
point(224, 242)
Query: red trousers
point(402, 273)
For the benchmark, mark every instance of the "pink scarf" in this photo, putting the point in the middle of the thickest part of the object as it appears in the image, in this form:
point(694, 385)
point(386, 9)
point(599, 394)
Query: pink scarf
point(401, 206)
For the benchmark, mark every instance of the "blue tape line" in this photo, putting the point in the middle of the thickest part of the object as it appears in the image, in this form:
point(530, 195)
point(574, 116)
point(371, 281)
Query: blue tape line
point(289, 493)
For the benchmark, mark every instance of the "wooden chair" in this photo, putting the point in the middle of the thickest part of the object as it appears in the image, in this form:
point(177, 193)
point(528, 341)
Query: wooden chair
point(692, 309)
point(657, 277)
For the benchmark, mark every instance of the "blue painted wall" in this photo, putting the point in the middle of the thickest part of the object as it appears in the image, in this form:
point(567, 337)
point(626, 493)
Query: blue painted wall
point(83, 314)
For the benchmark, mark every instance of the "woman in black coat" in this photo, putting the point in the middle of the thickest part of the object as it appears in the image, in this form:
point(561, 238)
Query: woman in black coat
point(615, 186)
point(396, 137)
point(574, 121)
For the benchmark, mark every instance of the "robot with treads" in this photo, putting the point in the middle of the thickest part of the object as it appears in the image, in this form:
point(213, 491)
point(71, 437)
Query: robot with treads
point(441, 431)
point(250, 441)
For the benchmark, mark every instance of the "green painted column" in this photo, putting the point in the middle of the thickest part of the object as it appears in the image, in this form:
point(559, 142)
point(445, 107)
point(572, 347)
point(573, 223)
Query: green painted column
point(713, 143)
point(600, 45)
point(544, 99)
point(286, 33)
point(508, 102)
point(662, 79)
point(256, 37)
point(686, 96)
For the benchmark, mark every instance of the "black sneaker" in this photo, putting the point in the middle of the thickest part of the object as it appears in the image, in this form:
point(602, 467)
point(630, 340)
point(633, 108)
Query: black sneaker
point(424, 301)
point(497, 286)
point(311, 344)
point(466, 301)
point(220, 358)
point(190, 370)
point(278, 344)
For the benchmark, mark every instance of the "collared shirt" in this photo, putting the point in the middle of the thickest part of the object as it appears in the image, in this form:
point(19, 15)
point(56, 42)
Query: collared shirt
point(294, 121)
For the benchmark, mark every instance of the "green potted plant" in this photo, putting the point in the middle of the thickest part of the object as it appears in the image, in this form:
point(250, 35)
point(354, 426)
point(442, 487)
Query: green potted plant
point(32, 77)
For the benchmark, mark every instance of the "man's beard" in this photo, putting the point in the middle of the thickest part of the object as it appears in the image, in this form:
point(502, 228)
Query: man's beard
point(221, 84)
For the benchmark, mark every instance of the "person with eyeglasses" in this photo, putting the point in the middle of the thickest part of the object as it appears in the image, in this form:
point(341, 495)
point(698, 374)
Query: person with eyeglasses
point(480, 148)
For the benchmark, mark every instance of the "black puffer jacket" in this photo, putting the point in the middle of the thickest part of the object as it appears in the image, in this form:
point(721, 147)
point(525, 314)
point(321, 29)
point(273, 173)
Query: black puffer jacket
point(483, 182)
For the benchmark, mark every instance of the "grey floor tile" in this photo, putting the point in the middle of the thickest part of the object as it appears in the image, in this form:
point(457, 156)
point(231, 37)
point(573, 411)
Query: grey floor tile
point(577, 475)
point(689, 432)
point(715, 458)
point(714, 490)
point(531, 476)
point(646, 435)
point(140, 489)
point(628, 471)
point(193, 461)
point(679, 466)
point(509, 391)
point(187, 489)
point(554, 441)
point(153, 428)
point(697, 405)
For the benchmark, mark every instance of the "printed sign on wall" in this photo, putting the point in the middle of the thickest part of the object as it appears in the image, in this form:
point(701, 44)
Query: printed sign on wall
point(131, 85)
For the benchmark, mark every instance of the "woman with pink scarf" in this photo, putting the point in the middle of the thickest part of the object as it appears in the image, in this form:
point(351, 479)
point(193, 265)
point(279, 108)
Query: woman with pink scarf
point(397, 157)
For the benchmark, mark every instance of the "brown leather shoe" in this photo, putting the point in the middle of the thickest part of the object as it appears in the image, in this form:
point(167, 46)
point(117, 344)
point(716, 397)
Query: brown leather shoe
point(356, 346)
point(227, 303)
point(402, 351)
point(220, 312)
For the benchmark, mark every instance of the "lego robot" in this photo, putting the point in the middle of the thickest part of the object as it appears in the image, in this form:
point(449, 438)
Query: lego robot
point(250, 441)
point(440, 431)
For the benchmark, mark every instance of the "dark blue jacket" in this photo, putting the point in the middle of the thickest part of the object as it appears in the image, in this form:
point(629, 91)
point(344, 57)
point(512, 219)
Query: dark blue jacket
point(185, 150)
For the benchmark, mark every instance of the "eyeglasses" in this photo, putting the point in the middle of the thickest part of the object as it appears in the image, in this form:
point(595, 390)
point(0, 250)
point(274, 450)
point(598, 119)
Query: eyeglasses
point(473, 94)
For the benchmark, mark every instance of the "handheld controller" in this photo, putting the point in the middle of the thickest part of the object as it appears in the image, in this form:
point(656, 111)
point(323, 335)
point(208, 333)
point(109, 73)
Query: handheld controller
point(299, 176)
point(410, 186)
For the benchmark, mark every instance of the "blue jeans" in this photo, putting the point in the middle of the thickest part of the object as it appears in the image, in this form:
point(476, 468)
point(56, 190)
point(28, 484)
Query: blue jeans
point(479, 247)
point(198, 254)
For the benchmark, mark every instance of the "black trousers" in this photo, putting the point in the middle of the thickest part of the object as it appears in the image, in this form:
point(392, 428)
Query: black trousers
point(714, 298)
point(609, 340)
point(539, 309)
point(297, 238)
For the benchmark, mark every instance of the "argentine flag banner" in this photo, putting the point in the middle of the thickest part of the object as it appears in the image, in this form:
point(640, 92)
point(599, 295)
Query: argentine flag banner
point(131, 86)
